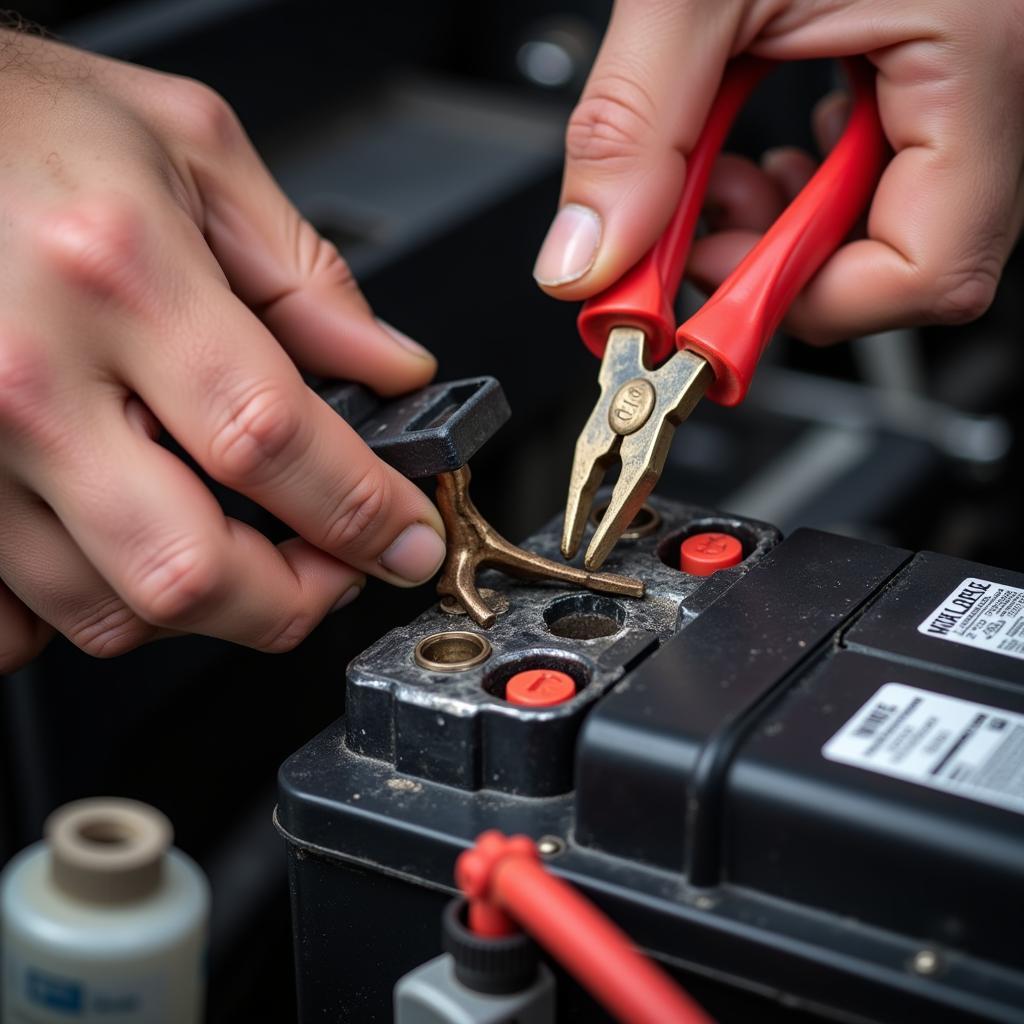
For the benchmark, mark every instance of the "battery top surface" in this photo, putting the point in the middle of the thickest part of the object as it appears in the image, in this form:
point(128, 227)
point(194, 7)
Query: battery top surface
point(815, 757)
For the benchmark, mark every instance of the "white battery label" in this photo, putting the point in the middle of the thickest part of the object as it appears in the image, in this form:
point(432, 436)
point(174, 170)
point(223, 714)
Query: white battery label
point(980, 613)
point(957, 746)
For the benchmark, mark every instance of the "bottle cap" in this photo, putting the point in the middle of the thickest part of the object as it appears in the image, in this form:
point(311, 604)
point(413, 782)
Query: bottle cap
point(107, 849)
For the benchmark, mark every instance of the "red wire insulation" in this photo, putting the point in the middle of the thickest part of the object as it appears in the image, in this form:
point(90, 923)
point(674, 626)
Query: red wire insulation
point(508, 874)
point(473, 871)
point(490, 921)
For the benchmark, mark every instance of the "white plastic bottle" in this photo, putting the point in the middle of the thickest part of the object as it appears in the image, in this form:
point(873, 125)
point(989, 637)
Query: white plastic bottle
point(103, 921)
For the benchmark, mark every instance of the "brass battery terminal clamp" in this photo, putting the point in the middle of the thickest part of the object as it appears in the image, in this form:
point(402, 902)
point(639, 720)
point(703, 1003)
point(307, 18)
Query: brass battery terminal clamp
point(434, 432)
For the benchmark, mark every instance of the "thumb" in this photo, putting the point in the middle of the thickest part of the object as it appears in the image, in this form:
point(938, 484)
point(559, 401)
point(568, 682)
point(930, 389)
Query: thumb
point(640, 114)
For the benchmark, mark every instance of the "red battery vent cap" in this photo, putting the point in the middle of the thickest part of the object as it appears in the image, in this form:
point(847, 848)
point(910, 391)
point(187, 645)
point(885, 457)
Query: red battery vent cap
point(705, 553)
point(540, 688)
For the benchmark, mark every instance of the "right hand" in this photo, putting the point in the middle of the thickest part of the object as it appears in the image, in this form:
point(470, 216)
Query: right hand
point(156, 277)
point(946, 213)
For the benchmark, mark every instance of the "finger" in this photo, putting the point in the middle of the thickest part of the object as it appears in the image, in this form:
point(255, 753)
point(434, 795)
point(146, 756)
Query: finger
point(713, 258)
point(141, 419)
point(639, 116)
point(278, 263)
point(237, 404)
point(22, 634)
point(747, 199)
point(790, 168)
point(945, 215)
point(828, 119)
point(158, 537)
point(216, 378)
point(749, 204)
point(741, 195)
point(49, 574)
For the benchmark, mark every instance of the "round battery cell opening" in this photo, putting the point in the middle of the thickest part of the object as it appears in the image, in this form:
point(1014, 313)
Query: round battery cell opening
point(646, 522)
point(584, 617)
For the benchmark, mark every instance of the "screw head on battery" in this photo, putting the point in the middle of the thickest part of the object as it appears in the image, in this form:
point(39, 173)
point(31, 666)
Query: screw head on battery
point(550, 846)
point(705, 553)
point(926, 961)
point(540, 688)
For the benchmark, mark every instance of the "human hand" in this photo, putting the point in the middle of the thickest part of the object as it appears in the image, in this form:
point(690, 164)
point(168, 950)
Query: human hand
point(155, 276)
point(945, 215)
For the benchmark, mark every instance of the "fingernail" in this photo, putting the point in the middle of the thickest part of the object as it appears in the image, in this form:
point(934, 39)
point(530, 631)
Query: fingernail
point(347, 598)
point(405, 341)
point(570, 247)
point(415, 555)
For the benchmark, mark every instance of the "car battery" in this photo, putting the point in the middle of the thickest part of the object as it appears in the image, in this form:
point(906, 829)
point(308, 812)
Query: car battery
point(797, 782)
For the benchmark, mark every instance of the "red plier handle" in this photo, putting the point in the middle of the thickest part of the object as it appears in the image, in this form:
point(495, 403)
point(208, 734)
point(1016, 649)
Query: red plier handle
point(733, 327)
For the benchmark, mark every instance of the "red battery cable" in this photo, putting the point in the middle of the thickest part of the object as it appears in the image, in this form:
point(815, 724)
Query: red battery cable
point(507, 885)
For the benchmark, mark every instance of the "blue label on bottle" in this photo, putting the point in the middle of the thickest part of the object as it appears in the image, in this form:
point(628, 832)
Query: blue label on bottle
point(55, 993)
point(124, 996)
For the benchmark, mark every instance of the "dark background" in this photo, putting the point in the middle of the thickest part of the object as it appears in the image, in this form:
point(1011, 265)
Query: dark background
point(426, 140)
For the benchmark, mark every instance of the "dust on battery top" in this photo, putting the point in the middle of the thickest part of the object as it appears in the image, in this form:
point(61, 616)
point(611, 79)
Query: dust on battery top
point(434, 432)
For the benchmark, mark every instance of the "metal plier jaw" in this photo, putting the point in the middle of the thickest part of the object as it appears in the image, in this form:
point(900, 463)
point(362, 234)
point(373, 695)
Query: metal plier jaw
point(634, 420)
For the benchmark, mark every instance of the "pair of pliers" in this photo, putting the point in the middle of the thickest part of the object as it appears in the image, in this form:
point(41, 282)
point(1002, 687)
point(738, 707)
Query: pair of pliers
point(632, 327)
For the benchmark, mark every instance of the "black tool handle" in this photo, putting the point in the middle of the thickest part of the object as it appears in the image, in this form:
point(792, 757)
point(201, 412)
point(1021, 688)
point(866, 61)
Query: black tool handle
point(434, 430)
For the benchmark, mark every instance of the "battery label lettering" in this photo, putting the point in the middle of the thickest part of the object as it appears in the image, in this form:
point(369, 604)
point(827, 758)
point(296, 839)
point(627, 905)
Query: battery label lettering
point(976, 724)
point(948, 617)
point(878, 717)
point(959, 605)
point(945, 743)
point(982, 614)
